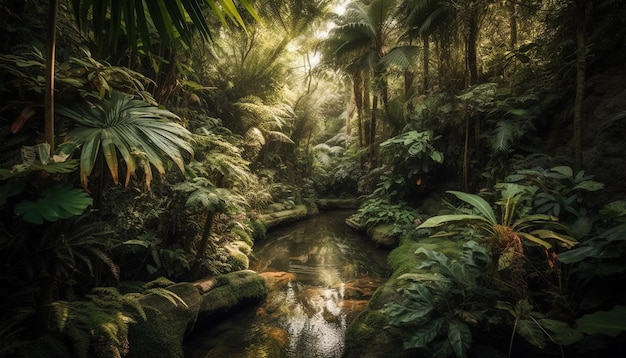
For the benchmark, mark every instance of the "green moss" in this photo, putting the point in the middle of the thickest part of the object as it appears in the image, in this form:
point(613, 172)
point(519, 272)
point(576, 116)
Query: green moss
point(370, 335)
point(259, 231)
point(243, 235)
point(402, 259)
point(237, 259)
point(233, 290)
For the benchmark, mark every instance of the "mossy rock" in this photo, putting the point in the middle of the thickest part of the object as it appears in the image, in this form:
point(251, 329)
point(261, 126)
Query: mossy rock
point(338, 203)
point(230, 292)
point(383, 235)
point(167, 324)
point(299, 212)
point(370, 334)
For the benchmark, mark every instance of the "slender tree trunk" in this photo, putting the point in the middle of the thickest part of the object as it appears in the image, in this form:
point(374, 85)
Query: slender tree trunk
point(466, 150)
point(409, 76)
point(207, 230)
point(372, 139)
point(426, 63)
point(49, 90)
point(583, 14)
point(357, 90)
point(471, 43)
point(513, 25)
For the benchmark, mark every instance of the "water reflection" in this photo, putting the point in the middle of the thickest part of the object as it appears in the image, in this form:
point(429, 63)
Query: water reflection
point(320, 275)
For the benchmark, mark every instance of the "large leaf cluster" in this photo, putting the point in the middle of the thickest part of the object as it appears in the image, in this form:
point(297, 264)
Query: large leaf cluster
point(442, 308)
point(140, 133)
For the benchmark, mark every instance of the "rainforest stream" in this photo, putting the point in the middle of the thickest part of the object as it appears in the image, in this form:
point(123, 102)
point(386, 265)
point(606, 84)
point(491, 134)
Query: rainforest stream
point(320, 274)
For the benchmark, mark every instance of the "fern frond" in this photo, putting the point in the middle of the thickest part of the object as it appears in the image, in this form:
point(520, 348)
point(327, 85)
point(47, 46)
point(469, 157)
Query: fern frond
point(168, 295)
point(160, 282)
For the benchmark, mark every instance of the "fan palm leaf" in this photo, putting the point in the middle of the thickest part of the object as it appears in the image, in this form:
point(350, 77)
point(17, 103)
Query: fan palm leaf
point(141, 134)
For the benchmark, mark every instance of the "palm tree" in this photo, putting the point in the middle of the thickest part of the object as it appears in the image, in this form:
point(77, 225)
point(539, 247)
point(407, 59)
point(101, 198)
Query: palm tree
point(360, 46)
point(136, 19)
point(421, 19)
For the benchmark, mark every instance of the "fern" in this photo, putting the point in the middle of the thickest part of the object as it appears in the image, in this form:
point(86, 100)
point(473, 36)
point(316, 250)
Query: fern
point(98, 327)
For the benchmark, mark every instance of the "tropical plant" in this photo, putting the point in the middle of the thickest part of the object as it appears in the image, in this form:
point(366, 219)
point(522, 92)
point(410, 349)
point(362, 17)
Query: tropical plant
point(360, 45)
point(214, 200)
point(453, 301)
point(560, 190)
point(381, 211)
point(157, 260)
point(441, 309)
point(409, 159)
point(505, 237)
point(142, 134)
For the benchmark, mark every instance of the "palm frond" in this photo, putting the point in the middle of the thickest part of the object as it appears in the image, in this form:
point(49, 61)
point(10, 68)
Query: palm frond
point(125, 126)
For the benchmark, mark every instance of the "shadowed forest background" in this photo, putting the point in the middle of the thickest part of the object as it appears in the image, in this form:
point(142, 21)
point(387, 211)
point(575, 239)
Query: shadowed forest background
point(142, 143)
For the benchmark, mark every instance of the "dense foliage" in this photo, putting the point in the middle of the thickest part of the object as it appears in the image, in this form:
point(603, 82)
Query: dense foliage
point(242, 106)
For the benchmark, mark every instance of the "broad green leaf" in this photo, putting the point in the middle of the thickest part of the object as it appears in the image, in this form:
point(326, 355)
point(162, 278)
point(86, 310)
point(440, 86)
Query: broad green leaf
point(565, 171)
point(60, 201)
point(423, 336)
point(445, 219)
point(477, 202)
point(561, 332)
point(579, 254)
point(611, 322)
point(535, 240)
point(459, 337)
point(531, 332)
point(589, 185)
point(11, 188)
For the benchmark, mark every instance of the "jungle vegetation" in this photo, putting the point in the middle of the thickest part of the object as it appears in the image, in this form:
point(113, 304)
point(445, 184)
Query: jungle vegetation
point(142, 140)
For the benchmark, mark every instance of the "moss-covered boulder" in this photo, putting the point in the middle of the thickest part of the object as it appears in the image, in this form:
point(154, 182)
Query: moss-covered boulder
point(194, 305)
point(370, 334)
point(296, 213)
point(223, 294)
point(383, 235)
point(167, 323)
point(338, 203)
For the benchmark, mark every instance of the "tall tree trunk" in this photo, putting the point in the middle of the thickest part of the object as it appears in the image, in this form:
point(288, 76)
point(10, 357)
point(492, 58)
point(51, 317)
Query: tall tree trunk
point(426, 62)
point(372, 139)
point(471, 43)
point(513, 25)
point(357, 90)
point(49, 90)
point(583, 13)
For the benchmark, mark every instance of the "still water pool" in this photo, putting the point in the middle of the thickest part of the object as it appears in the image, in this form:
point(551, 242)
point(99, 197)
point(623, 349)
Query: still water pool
point(320, 274)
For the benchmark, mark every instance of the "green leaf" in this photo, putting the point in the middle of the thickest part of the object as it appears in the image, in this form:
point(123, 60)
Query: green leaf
point(446, 219)
point(579, 254)
point(531, 332)
point(436, 156)
point(561, 332)
point(422, 337)
point(611, 322)
point(11, 188)
point(477, 202)
point(460, 337)
point(60, 201)
point(565, 171)
point(589, 185)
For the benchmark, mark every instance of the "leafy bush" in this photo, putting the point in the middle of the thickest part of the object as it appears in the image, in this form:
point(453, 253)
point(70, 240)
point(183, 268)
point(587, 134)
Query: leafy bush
point(408, 158)
point(376, 212)
point(439, 309)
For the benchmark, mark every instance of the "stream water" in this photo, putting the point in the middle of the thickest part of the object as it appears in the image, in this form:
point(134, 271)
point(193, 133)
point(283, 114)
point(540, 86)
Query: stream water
point(320, 274)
